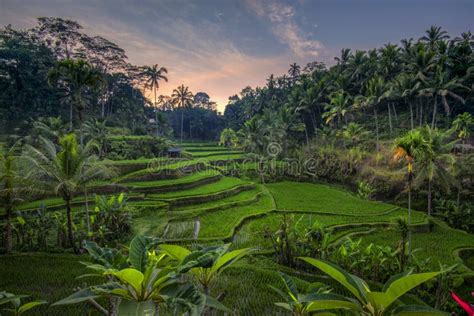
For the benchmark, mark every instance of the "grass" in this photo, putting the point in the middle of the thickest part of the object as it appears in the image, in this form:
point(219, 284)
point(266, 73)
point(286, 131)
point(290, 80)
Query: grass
point(45, 275)
point(252, 232)
point(225, 183)
point(49, 277)
point(242, 196)
point(187, 179)
point(322, 198)
point(221, 224)
point(439, 245)
point(215, 153)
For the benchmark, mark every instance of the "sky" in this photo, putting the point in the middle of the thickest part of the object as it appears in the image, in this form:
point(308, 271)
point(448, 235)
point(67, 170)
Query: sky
point(221, 46)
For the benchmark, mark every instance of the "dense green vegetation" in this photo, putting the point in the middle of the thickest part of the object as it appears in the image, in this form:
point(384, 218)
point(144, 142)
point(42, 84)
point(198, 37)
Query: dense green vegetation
point(322, 179)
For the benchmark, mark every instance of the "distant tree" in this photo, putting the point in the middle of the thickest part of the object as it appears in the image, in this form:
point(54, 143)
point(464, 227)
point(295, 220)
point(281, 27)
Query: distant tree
point(409, 148)
point(294, 72)
point(436, 162)
point(76, 79)
point(463, 125)
point(228, 138)
point(62, 35)
point(434, 35)
point(182, 98)
point(152, 76)
point(64, 171)
point(14, 187)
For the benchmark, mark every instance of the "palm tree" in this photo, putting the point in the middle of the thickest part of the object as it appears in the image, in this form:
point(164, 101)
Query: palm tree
point(409, 147)
point(375, 93)
point(64, 171)
point(338, 107)
point(436, 162)
point(405, 87)
point(77, 79)
point(441, 86)
point(14, 186)
point(463, 125)
point(294, 72)
point(96, 130)
point(152, 76)
point(182, 98)
point(354, 132)
point(434, 35)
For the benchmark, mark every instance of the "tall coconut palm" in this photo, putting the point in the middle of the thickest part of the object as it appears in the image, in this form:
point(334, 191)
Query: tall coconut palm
point(441, 86)
point(152, 76)
point(434, 35)
point(463, 125)
point(64, 171)
point(375, 94)
point(405, 87)
point(182, 98)
point(435, 163)
point(77, 79)
point(338, 107)
point(14, 186)
point(294, 72)
point(409, 148)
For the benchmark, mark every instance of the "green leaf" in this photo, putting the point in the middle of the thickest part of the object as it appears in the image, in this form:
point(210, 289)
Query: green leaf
point(78, 297)
point(355, 285)
point(290, 284)
point(285, 306)
point(137, 308)
point(332, 304)
point(131, 277)
point(11, 298)
point(175, 252)
point(228, 258)
point(138, 252)
point(332, 301)
point(414, 310)
point(404, 284)
point(213, 303)
point(23, 308)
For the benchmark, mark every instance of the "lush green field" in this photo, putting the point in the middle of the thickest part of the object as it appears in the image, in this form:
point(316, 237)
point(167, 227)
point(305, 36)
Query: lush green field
point(228, 209)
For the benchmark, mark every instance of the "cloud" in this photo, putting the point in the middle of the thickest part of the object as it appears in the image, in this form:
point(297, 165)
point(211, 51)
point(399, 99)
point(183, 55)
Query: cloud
point(197, 53)
point(285, 28)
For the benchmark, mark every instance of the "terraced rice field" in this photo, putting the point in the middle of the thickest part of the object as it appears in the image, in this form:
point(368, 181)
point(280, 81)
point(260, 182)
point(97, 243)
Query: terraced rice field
point(190, 202)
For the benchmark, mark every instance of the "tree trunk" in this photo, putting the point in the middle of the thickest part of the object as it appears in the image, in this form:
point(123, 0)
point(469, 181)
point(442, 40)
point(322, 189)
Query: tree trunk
point(182, 121)
point(70, 233)
point(447, 109)
point(411, 115)
point(376, 130)
point(88, 222)
point(429, 197)
point(8, 230)
point(306, 134)
point(70, 118)
point(389, 118)
point(395, 112)
point(435, 106)
point(421, 112)
point(409, 214)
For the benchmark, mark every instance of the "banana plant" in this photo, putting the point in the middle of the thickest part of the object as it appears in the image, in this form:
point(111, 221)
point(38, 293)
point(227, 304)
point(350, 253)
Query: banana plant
point(367, 302)
point(297, 303)
point(142, 281)
point(220, 259)
point(15, 301)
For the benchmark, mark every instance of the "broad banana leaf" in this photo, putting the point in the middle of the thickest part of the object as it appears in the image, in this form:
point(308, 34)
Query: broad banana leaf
point(355, 285)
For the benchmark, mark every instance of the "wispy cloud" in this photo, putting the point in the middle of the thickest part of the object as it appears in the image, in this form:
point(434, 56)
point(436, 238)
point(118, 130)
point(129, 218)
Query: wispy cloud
point(285, 28)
